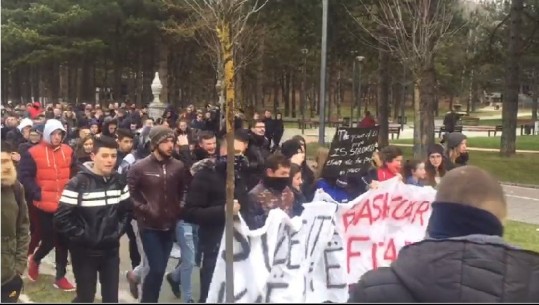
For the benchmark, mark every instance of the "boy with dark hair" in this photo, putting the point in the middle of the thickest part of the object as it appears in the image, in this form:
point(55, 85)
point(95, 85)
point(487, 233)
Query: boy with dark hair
point(272, 192)
point(15, 227)
point(391, 163)
point(93, 212)
point(125, 144)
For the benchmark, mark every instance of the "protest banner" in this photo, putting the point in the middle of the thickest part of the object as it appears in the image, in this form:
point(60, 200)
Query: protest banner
point(351, 150)
point(313, 258)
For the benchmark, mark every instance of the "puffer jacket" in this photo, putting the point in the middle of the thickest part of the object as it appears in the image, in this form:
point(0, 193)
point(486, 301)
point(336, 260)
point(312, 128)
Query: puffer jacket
point(93, 211)
point(45, 170)
point(157, 189)
point(471, 269)
point(15, 230)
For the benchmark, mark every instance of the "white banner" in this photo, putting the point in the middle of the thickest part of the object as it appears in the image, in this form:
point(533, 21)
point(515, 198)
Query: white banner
point(314, 257)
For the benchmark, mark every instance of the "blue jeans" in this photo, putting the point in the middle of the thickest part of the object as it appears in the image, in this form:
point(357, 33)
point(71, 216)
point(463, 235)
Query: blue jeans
point(157, 246)
point(187, 237)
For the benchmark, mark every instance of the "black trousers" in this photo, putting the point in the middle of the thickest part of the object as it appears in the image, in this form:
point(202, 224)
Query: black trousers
point(134, 255)
point(51, 239)
point(86, 266)
point(12, 290)
point(209, 259)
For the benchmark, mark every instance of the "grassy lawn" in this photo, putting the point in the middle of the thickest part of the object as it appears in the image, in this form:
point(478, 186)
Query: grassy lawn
point(521, 168)
point(42, 291)
point(522, 235)
point(523, 142)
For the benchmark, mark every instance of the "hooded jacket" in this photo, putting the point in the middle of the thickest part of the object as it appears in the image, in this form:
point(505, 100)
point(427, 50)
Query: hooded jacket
point(45, 170)
point(15, 226)
point(470, 269)
point(15, 135)
point(93, 211)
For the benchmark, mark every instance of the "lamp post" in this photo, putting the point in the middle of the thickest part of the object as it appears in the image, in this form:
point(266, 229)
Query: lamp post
point(156, 108)
point(303, 82)
point(360, 60)
point(96, 96)
point(322, 130)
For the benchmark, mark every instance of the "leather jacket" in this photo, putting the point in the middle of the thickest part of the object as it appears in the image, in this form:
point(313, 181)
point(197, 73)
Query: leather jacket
point(157, 190)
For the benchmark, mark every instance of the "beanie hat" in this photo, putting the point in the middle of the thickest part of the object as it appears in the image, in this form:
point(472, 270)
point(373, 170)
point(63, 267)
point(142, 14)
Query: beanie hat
point(290, 147)
point(25, 123)
point(454, 139)
point(435, 149)
point(38, 128)
point(158, 134)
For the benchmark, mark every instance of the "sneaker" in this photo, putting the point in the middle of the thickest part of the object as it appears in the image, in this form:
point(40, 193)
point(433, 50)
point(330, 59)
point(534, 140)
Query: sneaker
point(64, 285)
point(33, 269)
point(175, 252)
point(133, 284)
point(191, 301)
point(175, 287)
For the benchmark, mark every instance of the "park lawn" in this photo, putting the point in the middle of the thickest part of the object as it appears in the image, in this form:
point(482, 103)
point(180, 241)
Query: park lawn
point(522, 235)
point(523, 142)
point(521, 168)
point(495, 122)
point(42, 291)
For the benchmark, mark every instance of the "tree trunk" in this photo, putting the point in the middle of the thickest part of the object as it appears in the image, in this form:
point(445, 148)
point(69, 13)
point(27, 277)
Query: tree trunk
point(293, 92)
point(285, 92)
point(87, 81)
point(512, 82)
point(417, 118)
point(383, 98)
point(535, 94)
point(398, 98)
point(427, 101)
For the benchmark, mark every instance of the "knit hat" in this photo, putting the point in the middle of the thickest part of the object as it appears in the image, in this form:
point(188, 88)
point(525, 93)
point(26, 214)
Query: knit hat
point(454, 139)
point(158, 134)
point(435, 149)
point(290, 148)
point(25, 123)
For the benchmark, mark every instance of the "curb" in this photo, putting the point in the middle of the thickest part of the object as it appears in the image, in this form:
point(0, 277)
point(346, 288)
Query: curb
point(530, 186)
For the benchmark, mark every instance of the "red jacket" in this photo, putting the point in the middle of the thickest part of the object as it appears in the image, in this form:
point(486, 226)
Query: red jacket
point(385, 174)
point(45, 172)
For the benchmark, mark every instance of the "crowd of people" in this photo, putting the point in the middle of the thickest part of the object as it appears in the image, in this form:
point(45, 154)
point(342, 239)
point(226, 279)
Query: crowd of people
point(76, 179)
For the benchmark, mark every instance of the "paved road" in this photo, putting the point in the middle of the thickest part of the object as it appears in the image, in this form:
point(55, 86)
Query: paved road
point(523, 207)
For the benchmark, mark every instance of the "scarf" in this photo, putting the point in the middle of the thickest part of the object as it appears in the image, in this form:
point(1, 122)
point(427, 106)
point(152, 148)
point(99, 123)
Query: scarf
point(449, 220)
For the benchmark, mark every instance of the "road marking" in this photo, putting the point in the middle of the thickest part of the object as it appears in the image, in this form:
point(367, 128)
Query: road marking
point(522, 197)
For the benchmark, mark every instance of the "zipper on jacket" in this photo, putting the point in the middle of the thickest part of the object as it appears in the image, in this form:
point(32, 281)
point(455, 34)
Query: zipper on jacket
point(165, 182)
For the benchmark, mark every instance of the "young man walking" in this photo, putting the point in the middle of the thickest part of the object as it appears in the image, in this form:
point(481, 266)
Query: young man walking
point(156, 184)
point(93, 213)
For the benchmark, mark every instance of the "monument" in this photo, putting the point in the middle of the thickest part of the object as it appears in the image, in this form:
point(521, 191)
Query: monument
point(156, 108)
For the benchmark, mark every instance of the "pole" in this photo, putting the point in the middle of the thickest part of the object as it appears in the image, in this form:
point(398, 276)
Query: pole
point(303, 94)
point(359, 92)
point(403, 95)
point(322, 130)
point(354, 97)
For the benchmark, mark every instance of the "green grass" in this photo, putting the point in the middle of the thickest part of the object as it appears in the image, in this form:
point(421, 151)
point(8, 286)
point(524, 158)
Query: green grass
point(42, 291)
point(523, 142)
point(521, 168)
point(523, 235)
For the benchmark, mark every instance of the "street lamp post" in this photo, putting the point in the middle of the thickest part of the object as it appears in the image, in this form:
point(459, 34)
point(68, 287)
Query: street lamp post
point(303, 95)
point(322, 130)
point(360, 60)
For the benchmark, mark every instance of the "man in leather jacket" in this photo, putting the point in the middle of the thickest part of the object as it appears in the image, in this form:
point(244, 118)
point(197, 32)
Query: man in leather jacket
point(156, 184)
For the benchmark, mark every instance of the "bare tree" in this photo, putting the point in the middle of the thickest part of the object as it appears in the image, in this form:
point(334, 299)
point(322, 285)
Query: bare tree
point(226, 24)
point(412, 31)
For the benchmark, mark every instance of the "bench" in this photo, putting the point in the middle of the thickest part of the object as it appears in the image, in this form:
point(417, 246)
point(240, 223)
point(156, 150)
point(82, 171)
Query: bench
point(496, 129)
point(527, 125)
point(468, 120)
point(458, 128)
point(394, 130)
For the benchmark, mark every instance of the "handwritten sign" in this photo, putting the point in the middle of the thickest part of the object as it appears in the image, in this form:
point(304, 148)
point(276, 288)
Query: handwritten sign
point(351, 150)
point(313, 258)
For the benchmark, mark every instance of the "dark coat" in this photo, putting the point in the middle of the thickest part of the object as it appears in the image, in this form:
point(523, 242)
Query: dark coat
point(471, 269)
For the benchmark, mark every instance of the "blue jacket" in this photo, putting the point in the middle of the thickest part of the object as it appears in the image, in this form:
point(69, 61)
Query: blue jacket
point(337, 193)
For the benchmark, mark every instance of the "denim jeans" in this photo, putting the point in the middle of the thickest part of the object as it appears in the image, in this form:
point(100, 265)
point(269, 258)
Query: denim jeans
point(157, 246)
point(187, 237)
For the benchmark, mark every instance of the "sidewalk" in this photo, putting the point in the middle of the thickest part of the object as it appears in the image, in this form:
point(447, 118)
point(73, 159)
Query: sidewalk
point(481, 149)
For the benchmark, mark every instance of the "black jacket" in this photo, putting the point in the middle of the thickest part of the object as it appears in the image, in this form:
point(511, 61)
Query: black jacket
point(93, 212)
point(205, 202)
point(472, 269)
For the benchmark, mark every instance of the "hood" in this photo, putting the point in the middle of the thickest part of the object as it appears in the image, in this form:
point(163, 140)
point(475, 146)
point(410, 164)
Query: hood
point(25, 123)
point(105, 125)
point(50, 127)
point(468, 269)
point(202, 164)
point(87, 169)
